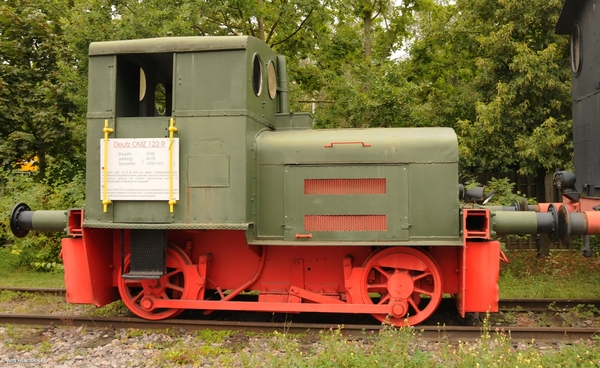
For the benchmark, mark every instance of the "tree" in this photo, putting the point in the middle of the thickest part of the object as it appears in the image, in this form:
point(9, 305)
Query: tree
point(497, 73)
point(352, 68)
point(276, 21)
point(441, 67)
point(35, 111)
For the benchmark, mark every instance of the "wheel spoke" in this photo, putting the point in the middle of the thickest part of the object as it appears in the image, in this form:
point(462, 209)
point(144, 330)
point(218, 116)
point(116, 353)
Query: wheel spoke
point(376, 286)
point(423, 291)
point(419, 277)
point(414, 305)
point(382, 271)
point(174, 287)
point(384, 299)
point(172, 273)
point(138, 297)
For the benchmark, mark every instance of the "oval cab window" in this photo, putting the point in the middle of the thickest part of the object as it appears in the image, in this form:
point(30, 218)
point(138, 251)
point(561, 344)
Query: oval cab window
point(576, 54)
point(142, 84)
point(272, 79)
point(257, 74)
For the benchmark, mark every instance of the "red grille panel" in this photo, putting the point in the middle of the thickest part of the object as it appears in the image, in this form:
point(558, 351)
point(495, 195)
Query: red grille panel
point(345, 223)
point(344, 186)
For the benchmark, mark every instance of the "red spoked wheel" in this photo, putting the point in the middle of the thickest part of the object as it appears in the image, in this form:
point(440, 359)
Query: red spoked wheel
point(407, 279)
point(170, 286)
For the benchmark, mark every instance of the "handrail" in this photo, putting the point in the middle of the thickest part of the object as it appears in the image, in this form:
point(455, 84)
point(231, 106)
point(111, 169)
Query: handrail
point(105, 200)
point(172, 130)
point(330, 145)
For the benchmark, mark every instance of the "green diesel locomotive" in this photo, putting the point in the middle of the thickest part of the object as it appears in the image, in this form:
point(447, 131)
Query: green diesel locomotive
point(201, 184)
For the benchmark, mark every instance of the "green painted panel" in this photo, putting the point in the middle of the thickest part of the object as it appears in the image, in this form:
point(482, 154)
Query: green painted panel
point(334, 211)
point(208, 171)
point(142, 212)
point(102, 85)
point(210, 81)
point(434, 205)
point(146, 127)
point(214, 176)
point(220, 83)
point(293, 121)
point(270, 201)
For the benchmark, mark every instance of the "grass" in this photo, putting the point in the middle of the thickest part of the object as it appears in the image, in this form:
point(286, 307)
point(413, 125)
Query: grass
point(13, 276)
point(26, 303)
point(32, 279)
point(196, 349)
point(392, 347)
point(564, 274)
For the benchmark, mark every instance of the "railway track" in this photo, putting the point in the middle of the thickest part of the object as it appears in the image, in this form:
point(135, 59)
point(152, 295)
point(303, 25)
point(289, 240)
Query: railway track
point(436, 333)
point(431, 332)
point(533, 305)
point(49, 291)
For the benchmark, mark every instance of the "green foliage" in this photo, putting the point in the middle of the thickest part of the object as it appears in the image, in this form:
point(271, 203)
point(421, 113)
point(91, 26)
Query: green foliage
point(183, 354)
point(497, 73)
point(522, 116)
point(504, 192)
point(588, 311)
point(35, 110)
point(350, 71)
point(402, 347)
point(526, 276)
point(441, 66)
point(213, 337)
point(37, 251)
point(13, 275)
point(502, 84)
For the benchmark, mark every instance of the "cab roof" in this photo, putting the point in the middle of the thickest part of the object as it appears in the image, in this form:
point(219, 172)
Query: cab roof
point(171, 44)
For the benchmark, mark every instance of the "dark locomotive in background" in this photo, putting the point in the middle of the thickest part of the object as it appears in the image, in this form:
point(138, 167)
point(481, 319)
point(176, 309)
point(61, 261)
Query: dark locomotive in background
point(201, 185)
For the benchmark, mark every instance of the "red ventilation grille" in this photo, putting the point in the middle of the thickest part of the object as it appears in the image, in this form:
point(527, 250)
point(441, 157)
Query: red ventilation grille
point(345, 223)
point(344, 186)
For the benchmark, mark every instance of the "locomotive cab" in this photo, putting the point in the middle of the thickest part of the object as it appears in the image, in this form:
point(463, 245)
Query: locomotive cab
point(219, 92)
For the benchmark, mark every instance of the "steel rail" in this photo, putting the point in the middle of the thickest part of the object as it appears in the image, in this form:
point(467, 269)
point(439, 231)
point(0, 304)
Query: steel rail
point(434, 333)
point(507, 304)
point(54, 291)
